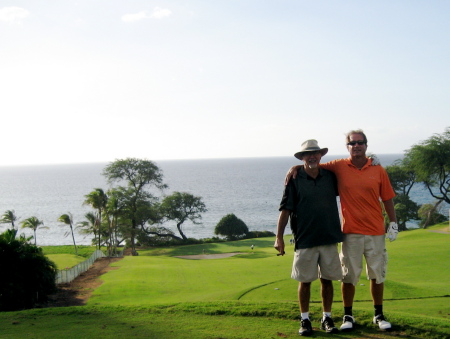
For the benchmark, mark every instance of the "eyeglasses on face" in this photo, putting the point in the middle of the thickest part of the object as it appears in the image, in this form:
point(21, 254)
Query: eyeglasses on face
point(353, 143)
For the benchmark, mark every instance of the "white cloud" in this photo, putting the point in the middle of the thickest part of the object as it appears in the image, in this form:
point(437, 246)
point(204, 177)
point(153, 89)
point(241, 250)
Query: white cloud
point(157, 13)
point(135, 17)
point(160, 13)
point(13, 14)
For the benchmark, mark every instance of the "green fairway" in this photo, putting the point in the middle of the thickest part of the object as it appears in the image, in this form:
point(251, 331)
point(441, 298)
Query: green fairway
point(154, 277)
point(160, 279)
point(249, 295)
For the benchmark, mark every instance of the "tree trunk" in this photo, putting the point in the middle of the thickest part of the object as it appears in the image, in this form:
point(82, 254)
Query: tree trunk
point(73, 237)
point(181, 232)
point(402, 226)
point(431, 214)
point(133, 239)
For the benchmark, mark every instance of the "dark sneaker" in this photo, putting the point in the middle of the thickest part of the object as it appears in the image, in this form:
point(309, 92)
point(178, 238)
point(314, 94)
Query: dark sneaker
point(348, 323)
point(327, 324)
point(381, 322)
point(305, 327)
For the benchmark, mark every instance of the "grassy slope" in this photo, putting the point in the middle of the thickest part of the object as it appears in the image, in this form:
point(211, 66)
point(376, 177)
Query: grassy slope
point(156, 295)
point(64, 256)
point(64, 261)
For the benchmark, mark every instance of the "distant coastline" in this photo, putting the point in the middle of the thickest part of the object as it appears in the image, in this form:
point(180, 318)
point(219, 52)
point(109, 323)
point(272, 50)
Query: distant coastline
point(226, 186)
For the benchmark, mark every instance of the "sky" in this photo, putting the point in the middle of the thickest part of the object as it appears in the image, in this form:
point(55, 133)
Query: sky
point(99, 80)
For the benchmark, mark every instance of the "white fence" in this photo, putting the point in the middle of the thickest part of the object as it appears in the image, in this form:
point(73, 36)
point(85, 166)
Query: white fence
point(66, 276)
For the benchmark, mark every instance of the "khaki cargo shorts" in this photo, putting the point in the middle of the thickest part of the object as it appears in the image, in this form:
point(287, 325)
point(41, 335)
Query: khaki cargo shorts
point(317, 262)
point(372, 247)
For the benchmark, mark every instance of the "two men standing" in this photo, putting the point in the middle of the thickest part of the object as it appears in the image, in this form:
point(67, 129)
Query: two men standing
point(361, 186)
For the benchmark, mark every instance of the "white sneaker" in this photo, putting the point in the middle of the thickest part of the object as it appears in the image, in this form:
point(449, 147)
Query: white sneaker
point(381, 322)
point(348, 323)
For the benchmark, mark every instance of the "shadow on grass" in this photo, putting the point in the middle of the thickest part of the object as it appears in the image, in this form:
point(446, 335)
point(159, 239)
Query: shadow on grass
point(254, 255)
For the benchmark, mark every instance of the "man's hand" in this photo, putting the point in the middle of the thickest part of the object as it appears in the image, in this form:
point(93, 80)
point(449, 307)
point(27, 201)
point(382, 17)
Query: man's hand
point(279, 245)
point(292, 173)
point(375, 160)
point(392, 231)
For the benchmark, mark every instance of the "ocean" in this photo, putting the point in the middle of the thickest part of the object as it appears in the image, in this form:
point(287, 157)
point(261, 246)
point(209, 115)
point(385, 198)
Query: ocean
point(251, 188)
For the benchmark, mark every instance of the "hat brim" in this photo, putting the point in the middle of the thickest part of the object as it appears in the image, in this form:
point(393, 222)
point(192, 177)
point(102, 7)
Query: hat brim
point(299, 155)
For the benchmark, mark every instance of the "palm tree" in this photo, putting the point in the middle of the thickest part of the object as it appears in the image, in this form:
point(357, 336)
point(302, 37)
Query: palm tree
point(97, 199)
point(89, 226)
point(113, 211)
point(33, 223)
point(9, 217)
point(68, 220)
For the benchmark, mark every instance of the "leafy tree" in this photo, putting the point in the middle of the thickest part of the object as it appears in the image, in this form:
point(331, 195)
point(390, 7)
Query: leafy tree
point(402, 178)
point(28, 276)
point(154, 233)
point(430, 161)
point(137, 175)
point(9, 217)
point(231, 227)
point(405, 210)
point(97, 199)
point(136, 211)
point(429, 214)
point(33, 223)
point(182, 206)
point(68, 220)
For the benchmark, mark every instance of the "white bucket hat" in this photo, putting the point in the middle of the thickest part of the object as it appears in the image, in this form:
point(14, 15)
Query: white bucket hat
point(310, 146)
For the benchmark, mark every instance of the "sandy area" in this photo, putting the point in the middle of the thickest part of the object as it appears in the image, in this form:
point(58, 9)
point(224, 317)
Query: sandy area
point(444, 231)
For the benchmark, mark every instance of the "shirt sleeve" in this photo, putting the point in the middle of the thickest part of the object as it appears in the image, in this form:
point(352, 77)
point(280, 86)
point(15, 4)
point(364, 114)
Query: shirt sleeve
point(330, 165)
point(287, 201)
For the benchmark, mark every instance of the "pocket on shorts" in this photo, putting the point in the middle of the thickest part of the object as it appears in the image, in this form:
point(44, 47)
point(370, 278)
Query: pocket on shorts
point(344, 264)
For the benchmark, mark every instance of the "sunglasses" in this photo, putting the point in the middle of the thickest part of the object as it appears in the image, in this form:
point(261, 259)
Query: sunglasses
point(353, 143)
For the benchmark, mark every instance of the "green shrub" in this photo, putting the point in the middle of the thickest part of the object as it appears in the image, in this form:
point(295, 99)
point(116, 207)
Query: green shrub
point(28, 277)
point(212, 240)
point(231, 227)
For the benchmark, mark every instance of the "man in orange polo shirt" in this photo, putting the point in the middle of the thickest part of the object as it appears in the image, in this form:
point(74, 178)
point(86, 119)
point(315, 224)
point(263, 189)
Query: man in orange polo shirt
point(361, 188)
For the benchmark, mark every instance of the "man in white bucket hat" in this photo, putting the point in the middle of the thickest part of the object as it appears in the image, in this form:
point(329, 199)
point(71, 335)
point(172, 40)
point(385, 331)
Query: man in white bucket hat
point(309, 201)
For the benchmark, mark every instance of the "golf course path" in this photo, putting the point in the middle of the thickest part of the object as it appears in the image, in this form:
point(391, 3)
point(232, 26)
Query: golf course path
point(80, 289)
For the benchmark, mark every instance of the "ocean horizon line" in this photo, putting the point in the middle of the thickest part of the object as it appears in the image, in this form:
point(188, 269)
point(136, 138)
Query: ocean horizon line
point(328, 155)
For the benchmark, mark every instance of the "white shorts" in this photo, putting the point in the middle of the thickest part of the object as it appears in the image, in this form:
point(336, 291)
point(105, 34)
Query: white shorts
point(317, 262)
point(373, 248)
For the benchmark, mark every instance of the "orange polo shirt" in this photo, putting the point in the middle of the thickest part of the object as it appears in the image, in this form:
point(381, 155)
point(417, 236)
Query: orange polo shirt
point(361, 193)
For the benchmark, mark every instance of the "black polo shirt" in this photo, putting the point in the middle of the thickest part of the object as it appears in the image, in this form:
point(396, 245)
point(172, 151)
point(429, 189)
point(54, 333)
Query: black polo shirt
point(313, 203)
